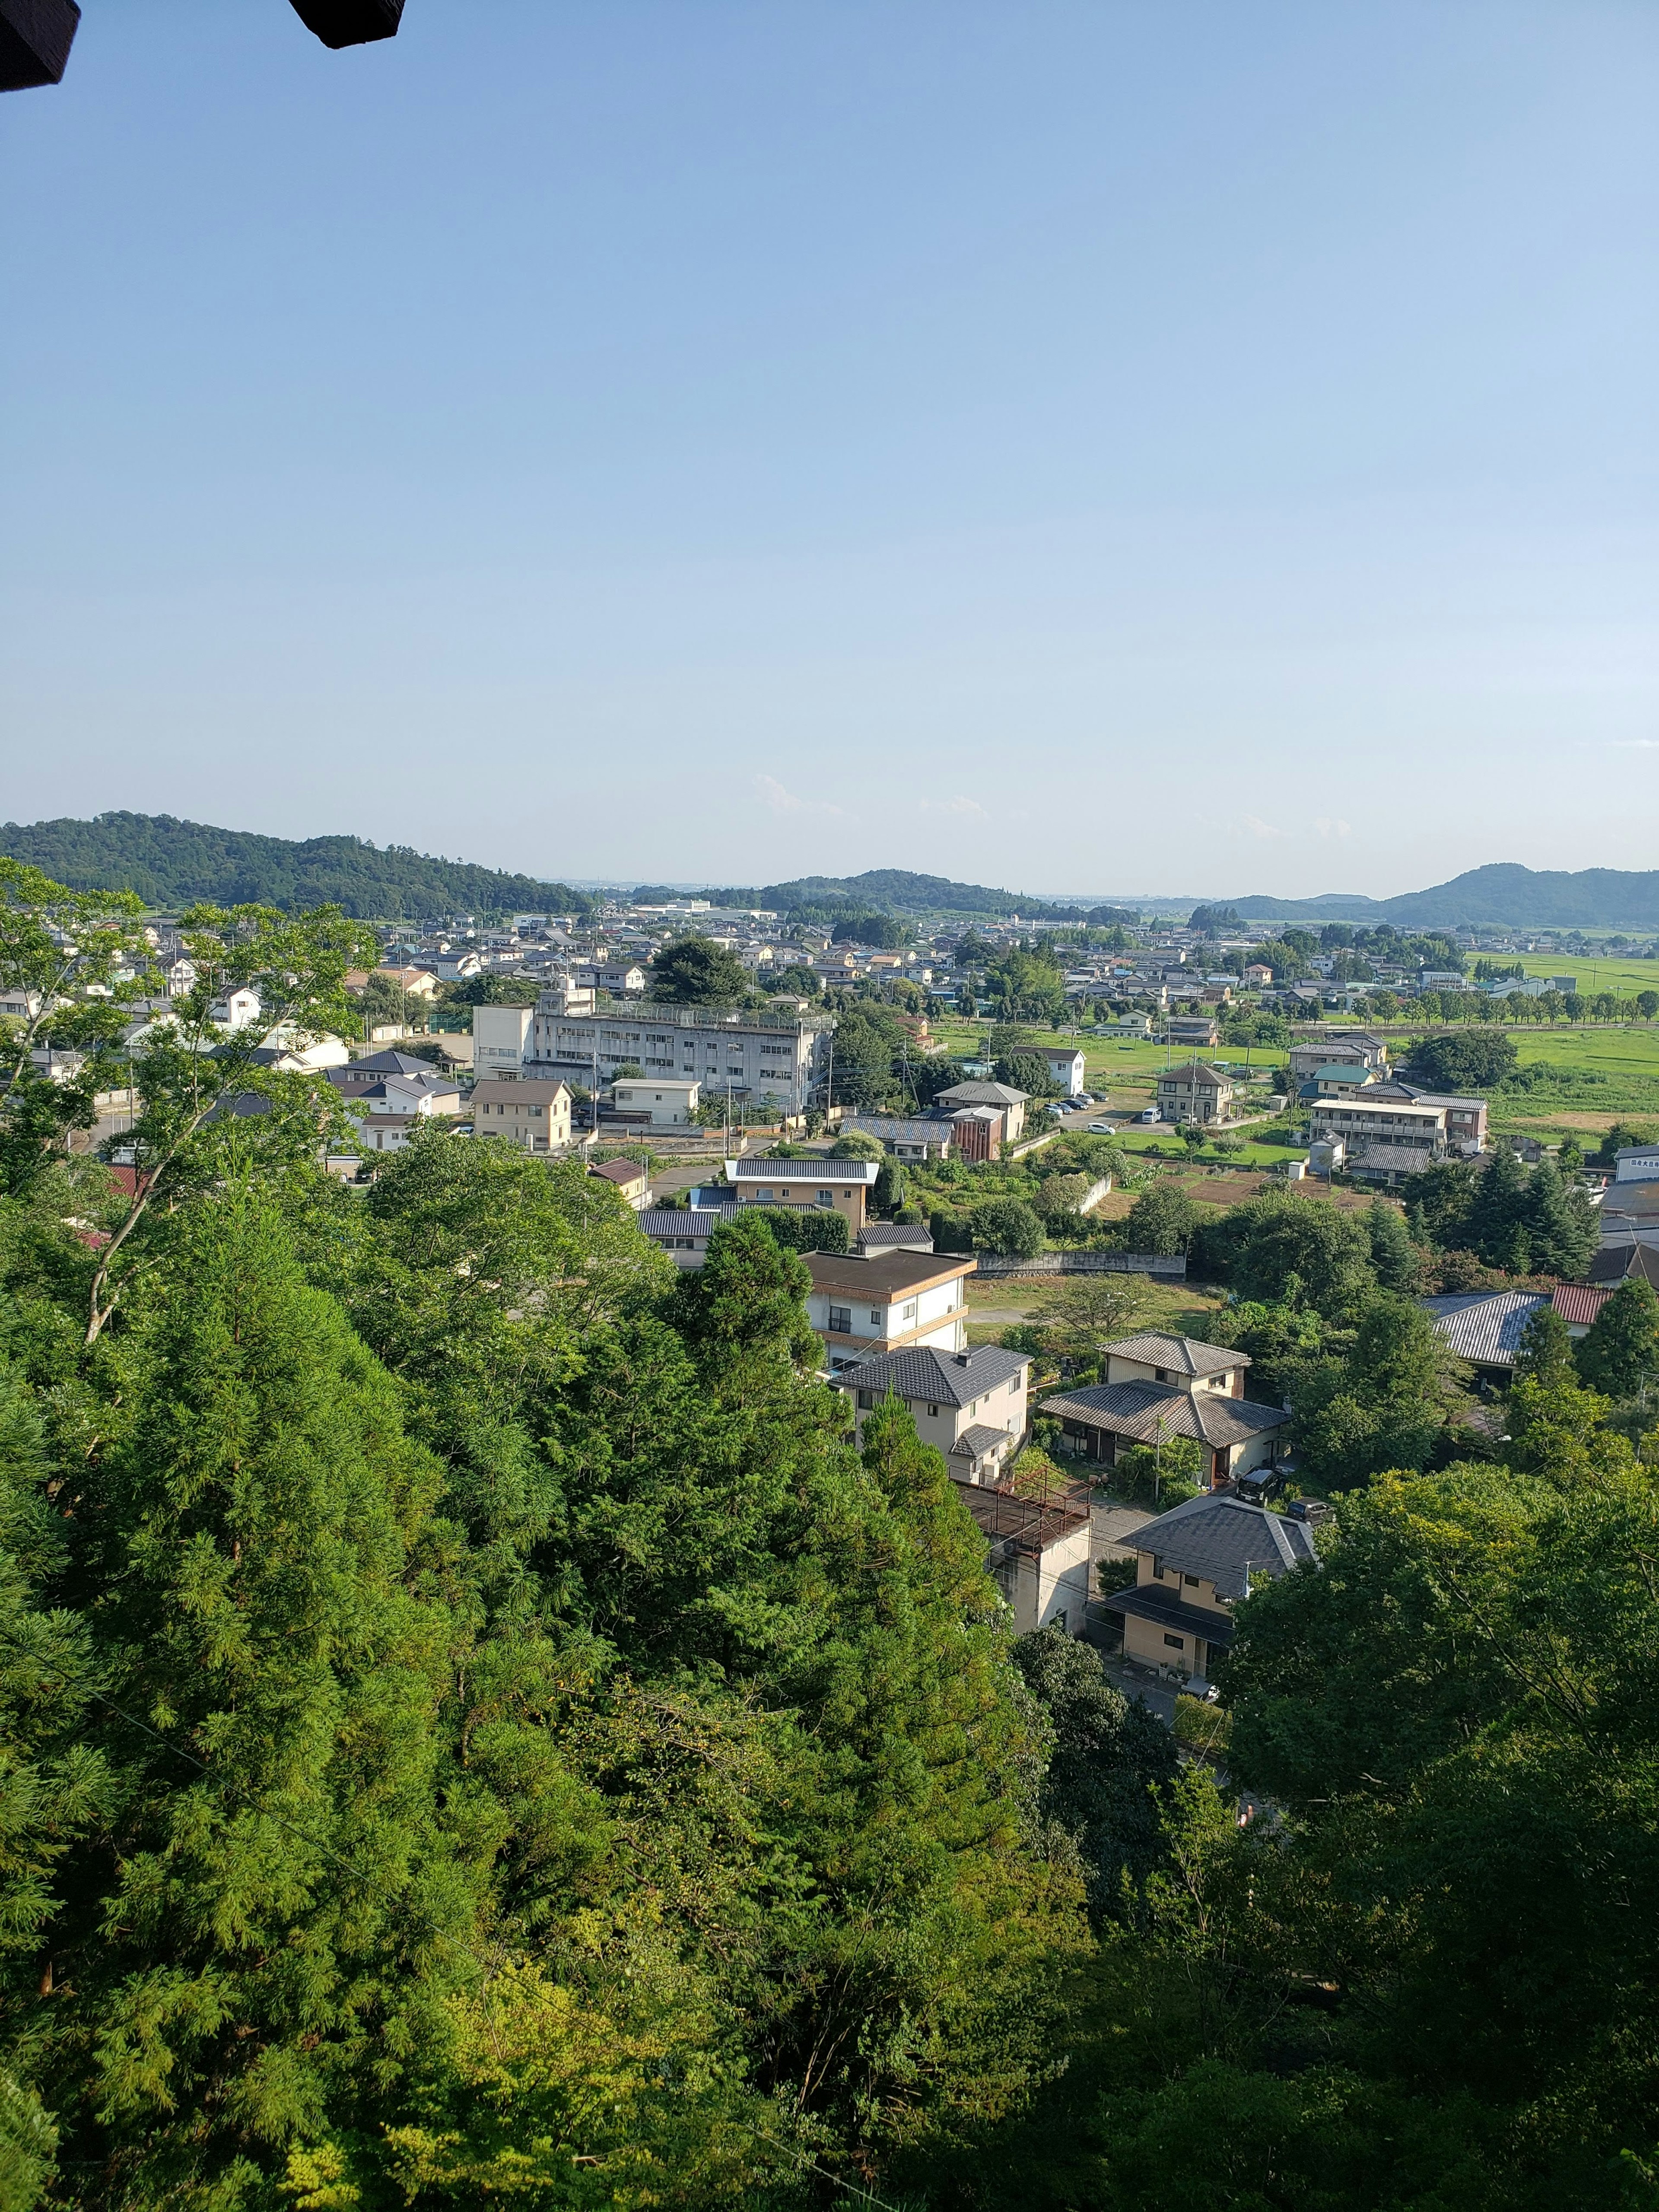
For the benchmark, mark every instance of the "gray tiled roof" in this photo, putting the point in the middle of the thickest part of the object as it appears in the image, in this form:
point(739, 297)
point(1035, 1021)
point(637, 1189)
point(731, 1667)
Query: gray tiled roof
point(943, 1378)
point(1144, 1411)
point(699, 1221)
point(1613, 1262)
point(1182, 1355)
point(981, 1094)
point(1484, 1326)
point(979, 1438)
point(1225, 1542)
point(895, 1235)
point(895, 1128)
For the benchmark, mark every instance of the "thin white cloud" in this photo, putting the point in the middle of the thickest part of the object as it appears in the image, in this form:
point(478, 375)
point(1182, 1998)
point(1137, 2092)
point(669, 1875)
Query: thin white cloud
point(1635, 745)
point(782, 801)
point(1328, 828)
point(1258, 828)
point(958, 805)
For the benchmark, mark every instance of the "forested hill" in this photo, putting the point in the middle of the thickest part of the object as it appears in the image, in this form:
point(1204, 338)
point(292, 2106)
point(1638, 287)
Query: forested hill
point(901, 890)
point(1504, 894)
point(170, 864)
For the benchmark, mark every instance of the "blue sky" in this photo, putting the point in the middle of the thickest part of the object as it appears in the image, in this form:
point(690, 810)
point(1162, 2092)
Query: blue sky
point(1084, 447)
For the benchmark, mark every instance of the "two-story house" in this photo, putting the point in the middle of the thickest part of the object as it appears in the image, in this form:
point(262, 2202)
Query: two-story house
point(1001, 1097)
point(970, 1405)
point(1345, 1048)
point(868, 1303)
point(527, 1110)
point(1193, 1564)
point(1159, 1387)
point(628, 1178)
point(1194, 1092)
point(820, 1184)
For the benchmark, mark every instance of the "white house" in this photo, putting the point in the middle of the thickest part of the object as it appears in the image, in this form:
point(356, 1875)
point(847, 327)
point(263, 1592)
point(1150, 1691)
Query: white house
point(970, 1405)
point(865, 1305)
point(1065, 1068)
point(664, 1102)
point(237, 1010)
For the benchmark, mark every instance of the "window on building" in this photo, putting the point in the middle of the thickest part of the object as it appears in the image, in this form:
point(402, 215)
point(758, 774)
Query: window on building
point(875, 1316)
point(1158, 1571)
point(932, 1413)
point(866, 1401)
point(841, 1320)
point(1175, 1643)
point(1191, 1581)
point(826, 1198)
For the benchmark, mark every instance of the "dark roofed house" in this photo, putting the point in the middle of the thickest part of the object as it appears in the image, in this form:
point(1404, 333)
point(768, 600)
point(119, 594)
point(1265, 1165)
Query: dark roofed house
point(631, 1180)
point(1616, 1263)
point(895, 1236)
point(683, 1231)
point(1194, 1565)
point(970, 1404)
point(1001, 1098)
point(1159, 1386)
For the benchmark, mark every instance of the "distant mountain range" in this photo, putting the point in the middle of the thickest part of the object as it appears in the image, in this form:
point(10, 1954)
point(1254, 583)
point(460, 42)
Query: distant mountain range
point(1503, 895)
point(171, 864)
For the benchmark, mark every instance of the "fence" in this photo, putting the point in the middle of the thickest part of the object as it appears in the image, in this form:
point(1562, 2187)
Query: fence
point(1170, 1266)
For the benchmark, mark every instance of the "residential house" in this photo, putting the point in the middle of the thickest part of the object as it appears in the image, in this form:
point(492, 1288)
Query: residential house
point(1387, 1131)
point(623, 979)
point(236, 1009)
point(359, 1077)
point(458, 967)
point(629, 1178)
point(1037, 1555)
point(918, 1138)
point(895, 1236)
point(972, 1406)
point(868, 1303)
point(1486, 1327)
point(1007, 1102)
point(843, 1187)
point(683, 1231)
point(1257, 975)
point(1619, 1262)
point(1191, 1029)
point(533, 1111)
point(1193, 1564)
point(977, 1132)
point(1158, 1387)
point(1194, 1092)
point(388, 1113)
point(1339, 1048)
point(660, 1102)
point(1125, 1025)
point(1466, 1118)
point(1065, 1068)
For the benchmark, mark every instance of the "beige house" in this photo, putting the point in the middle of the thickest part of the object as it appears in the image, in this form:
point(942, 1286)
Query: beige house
point(1159, 1387)
point(868, 1303)
point(818, 1185)
point(970, 1405)
point(1037, 1553)
point(627, 1179)
point(1194, 1092)
point(528, 1110)
point(1003, 1096)
point(1192, 1565)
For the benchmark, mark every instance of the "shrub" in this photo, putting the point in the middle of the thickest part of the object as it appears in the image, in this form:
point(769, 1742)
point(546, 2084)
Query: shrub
point(1006, 1225)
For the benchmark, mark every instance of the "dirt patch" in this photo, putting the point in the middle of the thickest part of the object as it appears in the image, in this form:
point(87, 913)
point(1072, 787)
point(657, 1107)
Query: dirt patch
point(1598, 1124)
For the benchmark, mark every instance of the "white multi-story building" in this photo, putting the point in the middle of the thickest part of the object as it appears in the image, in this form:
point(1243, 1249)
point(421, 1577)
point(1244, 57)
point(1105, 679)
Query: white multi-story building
point(772, 1060)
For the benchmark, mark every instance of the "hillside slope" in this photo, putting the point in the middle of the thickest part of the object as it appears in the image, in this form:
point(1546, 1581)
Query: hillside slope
point(171, 863)
point(1501, 894)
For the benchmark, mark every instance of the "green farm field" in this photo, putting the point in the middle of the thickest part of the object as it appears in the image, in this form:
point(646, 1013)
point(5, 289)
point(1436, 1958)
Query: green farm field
point(1604, 1075)
point(1623, 977)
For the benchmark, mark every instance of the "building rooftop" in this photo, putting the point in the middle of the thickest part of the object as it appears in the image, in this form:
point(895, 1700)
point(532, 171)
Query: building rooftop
point(1182, 1355)
point(1195, 1071)
point(942, 1378)
point(1149, 1410)
point(1484, 1326)
point(700, 1221)
point(622, 1171)
point(821, 1171)
point(1225, 1541)
point(895, 1236)
point(983, 1094)
point(884, 1275)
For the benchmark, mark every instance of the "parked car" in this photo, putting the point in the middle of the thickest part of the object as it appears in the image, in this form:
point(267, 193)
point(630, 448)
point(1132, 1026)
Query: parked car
point(1147, 1117)
point(1102, 1129)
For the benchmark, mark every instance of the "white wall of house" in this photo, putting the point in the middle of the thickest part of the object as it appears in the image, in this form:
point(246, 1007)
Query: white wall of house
point(671, 1105)
point(1052, 1588)
point(1000, 1407)
point(935, 1316)
point(501, 1035)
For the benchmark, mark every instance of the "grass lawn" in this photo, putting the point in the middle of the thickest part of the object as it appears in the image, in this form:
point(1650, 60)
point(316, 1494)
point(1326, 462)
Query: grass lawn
point(995, 1306)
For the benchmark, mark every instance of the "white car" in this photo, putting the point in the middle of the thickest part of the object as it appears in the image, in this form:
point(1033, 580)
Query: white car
point(1147, 1117)
point(1103, 1128)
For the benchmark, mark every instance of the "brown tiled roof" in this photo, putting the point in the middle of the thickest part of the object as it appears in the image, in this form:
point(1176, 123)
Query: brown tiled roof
point(884, 1275)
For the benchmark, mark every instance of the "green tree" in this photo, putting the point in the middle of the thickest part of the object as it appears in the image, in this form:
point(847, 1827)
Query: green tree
point(1469, 1062)
point(802, 1229)
point(1107, 1761)
point(1619, 1354)
point(1027, 1072)
point(1395, 1261)
point(1545, 1353)
point(1385, 1405)
point(1060, 1197)
point(1161, 1220)
point(1256, 1248)
point(1007, 1225)
point(278, 1907)
point(695, 971)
